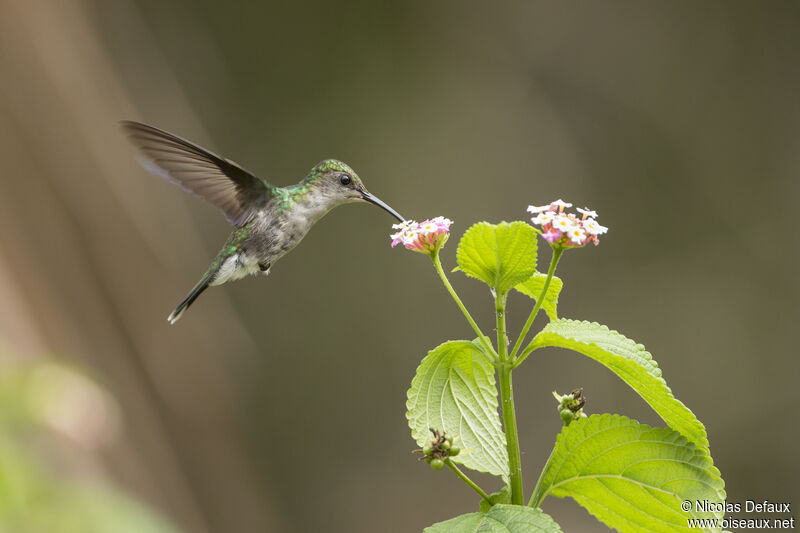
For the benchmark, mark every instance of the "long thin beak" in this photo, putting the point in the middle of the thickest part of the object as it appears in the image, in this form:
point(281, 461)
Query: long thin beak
point(375, 200)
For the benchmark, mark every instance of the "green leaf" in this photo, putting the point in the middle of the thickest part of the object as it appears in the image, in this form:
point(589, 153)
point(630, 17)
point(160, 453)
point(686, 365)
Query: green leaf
point(500, 519)
point(532, 287)
point(454, 390)
point(632, 363)
point(501, 255)
point(501, 496)
point(630, 476)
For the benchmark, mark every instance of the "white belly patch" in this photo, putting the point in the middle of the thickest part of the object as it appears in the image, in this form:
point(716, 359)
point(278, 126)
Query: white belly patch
point(235, 267)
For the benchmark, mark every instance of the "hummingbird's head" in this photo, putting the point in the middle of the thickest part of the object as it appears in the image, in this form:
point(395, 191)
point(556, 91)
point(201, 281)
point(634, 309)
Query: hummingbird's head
point(339, 184)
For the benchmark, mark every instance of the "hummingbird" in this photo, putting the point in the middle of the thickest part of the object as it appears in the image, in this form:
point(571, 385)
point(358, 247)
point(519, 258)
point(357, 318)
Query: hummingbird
point(269, 221)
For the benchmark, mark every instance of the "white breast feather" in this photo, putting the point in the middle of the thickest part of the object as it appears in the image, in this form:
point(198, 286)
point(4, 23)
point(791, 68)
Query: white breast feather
point(235, 267)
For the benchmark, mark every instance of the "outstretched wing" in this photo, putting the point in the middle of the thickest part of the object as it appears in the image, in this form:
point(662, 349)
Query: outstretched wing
point(234, 190)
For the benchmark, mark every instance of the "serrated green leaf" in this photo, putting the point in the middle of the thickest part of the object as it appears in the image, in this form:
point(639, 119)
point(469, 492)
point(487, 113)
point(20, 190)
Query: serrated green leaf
point(630, 476)
point(532, 287)
point(501, 496)
point(500, 255)
point(454, 390)
point(632, 363)
point(500, 519)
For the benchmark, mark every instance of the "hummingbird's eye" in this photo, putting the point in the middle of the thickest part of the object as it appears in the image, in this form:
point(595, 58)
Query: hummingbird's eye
point(345, 179)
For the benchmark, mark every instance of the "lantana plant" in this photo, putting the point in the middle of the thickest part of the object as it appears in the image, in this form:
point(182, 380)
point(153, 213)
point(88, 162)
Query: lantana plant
point(630, 476)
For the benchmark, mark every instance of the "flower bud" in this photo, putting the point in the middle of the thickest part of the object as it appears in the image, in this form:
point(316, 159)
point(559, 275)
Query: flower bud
point(570, 406)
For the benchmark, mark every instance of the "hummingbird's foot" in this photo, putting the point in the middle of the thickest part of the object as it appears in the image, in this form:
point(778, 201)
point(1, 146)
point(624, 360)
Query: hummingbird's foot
point(264, 267)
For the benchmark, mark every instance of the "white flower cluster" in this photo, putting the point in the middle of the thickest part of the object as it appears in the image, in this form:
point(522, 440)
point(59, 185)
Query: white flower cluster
point(426, 236)
point(566, 229)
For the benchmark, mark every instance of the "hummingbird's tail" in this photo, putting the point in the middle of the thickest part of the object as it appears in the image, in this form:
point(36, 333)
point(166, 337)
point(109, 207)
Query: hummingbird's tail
point(191, 297)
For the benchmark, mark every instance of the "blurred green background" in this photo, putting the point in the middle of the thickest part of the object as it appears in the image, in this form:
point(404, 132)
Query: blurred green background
point(278, 404)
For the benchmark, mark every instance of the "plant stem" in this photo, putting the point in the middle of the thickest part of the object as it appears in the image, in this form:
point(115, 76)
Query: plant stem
point(536, 497)
point(467, 480)
point(438, 264)
point(512, 438)
point(525, 353)
point(550, 271)
point(507, 403)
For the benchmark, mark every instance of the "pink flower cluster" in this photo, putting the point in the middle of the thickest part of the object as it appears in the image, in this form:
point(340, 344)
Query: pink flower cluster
point(566, 229)
point(426, 236)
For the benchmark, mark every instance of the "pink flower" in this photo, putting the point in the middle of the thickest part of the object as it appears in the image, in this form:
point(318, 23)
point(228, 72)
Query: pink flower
point(427, 236)
point(566, 230)
point(552, 235)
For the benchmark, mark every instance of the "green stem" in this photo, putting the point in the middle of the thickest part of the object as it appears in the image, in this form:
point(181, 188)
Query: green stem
point(537, 497)
point(512, 438)
point(550, 271)
point(438, 264)
point(467, 480)
point(507, 403)
point(525, 353)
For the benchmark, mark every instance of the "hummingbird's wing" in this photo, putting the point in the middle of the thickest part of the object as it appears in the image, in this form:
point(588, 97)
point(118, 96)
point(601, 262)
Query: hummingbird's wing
point(234, 190)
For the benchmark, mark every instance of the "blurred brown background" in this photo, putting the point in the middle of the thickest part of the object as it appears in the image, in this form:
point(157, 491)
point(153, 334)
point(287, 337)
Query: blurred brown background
point(278, 404)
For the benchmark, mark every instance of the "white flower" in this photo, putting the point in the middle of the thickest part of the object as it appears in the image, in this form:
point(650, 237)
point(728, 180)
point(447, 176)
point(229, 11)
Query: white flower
point(577, 235)
point(592, 227)
point(403, 225)
point(427, 228)
point(586, 212)
point(539, 209)
point(563, 223)
point(442, 222)
point(544, 218)
point(561, 203)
